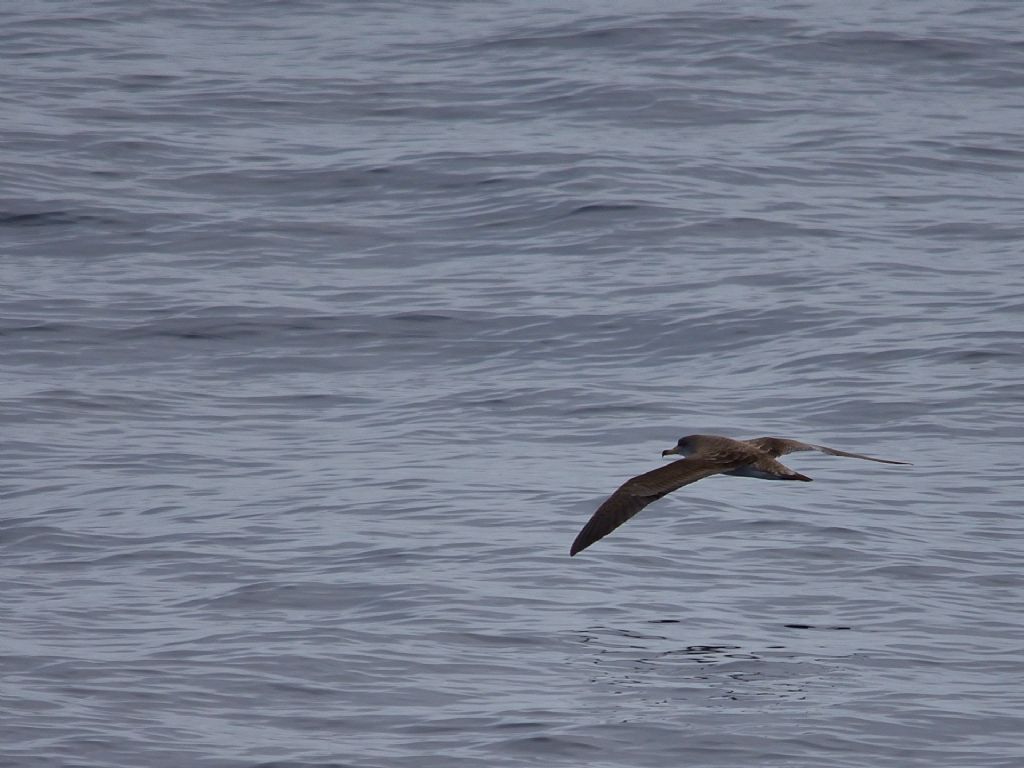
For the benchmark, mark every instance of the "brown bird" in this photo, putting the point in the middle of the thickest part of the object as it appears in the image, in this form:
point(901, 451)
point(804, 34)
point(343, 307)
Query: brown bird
point(706, 455)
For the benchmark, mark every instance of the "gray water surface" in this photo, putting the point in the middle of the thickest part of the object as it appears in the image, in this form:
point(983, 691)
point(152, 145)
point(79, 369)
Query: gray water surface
point(325, 327)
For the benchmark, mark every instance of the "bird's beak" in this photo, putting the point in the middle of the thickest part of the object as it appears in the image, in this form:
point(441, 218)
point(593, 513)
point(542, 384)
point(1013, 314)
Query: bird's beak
point(670, 451)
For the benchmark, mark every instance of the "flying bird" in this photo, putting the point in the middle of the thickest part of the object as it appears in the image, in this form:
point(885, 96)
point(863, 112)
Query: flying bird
point(705, 455)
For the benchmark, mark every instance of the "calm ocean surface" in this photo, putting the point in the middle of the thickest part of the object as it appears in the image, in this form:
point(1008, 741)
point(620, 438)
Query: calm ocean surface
point(324, 327)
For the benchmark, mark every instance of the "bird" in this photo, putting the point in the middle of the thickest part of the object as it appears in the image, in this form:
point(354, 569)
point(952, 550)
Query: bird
point(704, 455)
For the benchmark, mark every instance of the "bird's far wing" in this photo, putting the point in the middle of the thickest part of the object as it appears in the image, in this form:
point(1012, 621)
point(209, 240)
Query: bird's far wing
point(637, 492)
point(779, 446)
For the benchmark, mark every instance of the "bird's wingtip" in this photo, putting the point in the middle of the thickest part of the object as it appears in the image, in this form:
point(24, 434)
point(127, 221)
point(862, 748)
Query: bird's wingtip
point(578, 546)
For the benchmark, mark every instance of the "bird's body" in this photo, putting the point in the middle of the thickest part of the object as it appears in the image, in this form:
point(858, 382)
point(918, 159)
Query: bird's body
point(706, 455)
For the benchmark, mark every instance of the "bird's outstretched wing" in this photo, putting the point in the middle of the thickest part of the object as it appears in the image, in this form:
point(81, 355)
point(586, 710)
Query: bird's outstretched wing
point(780, 446)
point(637, 492)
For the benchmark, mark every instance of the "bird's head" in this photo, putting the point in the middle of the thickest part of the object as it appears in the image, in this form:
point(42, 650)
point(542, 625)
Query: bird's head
point(684, 447)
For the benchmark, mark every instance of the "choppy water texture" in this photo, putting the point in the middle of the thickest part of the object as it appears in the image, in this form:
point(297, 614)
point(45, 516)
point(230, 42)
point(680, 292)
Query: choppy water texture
point(325, 327)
